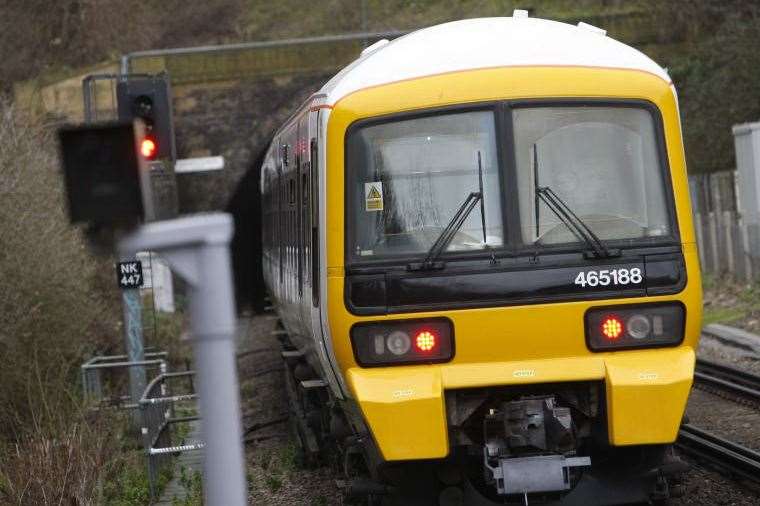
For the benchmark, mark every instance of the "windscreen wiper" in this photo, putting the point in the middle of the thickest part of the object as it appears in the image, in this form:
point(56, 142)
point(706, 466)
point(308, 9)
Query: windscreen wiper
point(446, 235)
point(482, 200)
point(577, 226)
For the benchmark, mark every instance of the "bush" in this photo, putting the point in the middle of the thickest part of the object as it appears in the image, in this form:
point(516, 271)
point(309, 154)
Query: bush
point(52, 316)
point(718, 76)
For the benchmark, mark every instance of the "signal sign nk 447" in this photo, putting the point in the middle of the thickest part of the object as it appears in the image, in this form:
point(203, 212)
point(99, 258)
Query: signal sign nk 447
point(129, 274)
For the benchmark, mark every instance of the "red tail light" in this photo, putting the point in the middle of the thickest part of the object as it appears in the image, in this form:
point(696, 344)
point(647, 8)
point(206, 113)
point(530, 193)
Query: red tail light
point(403, 342)
point(612, 328)
point(635, 326)
point(148, 148)
point(425, 341)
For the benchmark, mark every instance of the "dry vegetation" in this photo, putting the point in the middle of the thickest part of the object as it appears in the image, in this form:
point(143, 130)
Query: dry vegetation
point(52, 315)
point(40, 36)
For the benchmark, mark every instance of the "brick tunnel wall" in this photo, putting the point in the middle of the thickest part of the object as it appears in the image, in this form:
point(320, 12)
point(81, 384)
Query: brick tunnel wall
point(235, 119)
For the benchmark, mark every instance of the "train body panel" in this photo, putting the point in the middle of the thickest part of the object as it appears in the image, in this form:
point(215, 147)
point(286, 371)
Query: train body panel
point(526, 321)
point(646, 396)
point(520, 333)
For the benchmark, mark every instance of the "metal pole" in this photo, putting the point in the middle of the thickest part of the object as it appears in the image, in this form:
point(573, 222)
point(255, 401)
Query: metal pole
point(214, 327)
point(124, 70)
point(133, 340)
point(86, 94)
point(126, 60)
point(197, 247)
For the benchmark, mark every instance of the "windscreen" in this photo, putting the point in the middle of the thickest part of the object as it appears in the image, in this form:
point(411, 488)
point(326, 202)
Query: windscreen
point(600, 161)
point(407, 179)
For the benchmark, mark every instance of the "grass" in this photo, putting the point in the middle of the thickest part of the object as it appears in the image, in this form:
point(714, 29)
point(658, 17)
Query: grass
point(722, 315)
point(276, 467)
point(130, 485)
point(193, 483)
point(319, 501)
point(730, 303)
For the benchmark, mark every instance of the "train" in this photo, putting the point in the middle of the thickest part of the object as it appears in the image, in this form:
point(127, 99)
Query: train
point(478, 240)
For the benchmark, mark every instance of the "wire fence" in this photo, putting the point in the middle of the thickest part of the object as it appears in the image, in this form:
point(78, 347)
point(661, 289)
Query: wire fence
point(165, 411)
point(254, 59)
point(105, 378)
point(169, 401)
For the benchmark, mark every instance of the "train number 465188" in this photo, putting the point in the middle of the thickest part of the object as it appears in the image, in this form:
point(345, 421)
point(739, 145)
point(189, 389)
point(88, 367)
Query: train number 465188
point(607, 277)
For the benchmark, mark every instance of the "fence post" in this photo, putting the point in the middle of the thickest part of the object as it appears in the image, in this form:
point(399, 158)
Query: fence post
point(713, 234)
point(748, 274)
point(700, 240)
point(729, 240)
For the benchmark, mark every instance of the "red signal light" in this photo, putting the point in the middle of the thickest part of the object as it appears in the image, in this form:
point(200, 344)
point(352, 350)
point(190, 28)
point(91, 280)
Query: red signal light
point(612, 327)
point(425, 341)
point(148, 148)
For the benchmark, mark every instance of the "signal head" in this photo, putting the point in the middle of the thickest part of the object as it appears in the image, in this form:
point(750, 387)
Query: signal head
point(149, 148)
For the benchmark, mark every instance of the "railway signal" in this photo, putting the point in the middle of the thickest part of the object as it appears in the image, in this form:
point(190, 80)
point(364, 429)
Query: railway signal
point(148, 98)
point(106, 181)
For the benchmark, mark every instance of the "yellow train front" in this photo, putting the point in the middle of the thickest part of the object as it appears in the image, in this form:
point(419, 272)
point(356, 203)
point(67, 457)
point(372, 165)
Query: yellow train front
point(478, 238)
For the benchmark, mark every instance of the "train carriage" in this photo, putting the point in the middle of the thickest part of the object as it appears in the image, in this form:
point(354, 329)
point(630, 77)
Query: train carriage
point(478, 239)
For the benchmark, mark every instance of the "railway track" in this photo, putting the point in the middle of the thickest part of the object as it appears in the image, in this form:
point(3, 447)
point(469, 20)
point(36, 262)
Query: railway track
point(728, 379)
point(702, 445)
point(731, 457)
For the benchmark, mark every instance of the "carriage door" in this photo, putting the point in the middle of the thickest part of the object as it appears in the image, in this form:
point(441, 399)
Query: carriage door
point(317, 174)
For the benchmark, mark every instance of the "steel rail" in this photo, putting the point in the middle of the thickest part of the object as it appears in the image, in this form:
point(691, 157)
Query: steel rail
point(732, 457)
point(728, 378)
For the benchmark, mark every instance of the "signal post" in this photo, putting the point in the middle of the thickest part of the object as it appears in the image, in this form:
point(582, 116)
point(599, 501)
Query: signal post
point(108, 188)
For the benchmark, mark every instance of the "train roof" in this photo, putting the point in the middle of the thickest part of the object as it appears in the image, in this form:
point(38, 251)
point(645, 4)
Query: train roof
point(486, 43)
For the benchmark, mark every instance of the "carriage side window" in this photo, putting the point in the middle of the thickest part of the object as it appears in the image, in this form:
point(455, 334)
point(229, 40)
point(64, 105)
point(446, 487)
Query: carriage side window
point(281, 226)
point(298, 221)
point(305, 225)
point(314, 187)
point(267, 211)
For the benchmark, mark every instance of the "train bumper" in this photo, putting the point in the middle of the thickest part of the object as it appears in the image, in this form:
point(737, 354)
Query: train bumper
point(646, 394)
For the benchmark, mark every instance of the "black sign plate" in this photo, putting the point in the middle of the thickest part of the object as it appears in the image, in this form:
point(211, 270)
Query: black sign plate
point(102, 173)
point(129, 274)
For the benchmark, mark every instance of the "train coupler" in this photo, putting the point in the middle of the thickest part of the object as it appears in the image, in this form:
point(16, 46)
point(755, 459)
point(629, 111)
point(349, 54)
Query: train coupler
point(542, 473)
point(530, 447)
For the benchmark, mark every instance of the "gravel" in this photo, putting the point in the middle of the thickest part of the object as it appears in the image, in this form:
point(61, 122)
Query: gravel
point(726, 418)
point(716, 350)
point(707, 488)
point(274, 478)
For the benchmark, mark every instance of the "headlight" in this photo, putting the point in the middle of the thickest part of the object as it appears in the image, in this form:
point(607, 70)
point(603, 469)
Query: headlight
point(635, 326)
point(403, 342)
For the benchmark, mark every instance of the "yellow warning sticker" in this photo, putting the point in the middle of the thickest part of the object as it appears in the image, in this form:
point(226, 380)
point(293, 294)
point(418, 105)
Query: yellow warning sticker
point(373, 196)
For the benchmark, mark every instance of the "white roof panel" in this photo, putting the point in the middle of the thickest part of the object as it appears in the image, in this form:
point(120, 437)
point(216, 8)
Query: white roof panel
point(484, 43)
